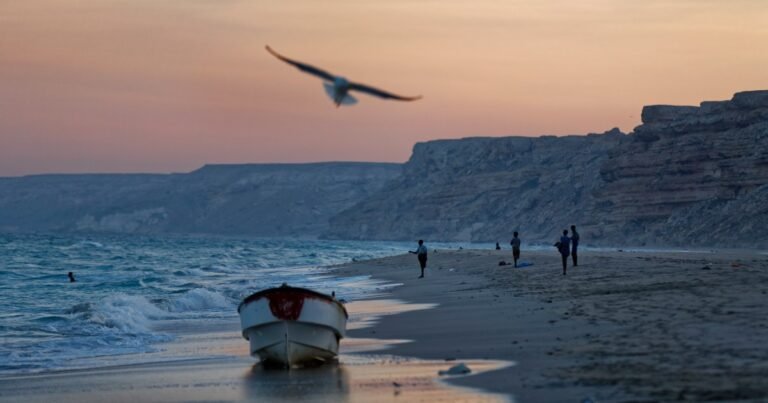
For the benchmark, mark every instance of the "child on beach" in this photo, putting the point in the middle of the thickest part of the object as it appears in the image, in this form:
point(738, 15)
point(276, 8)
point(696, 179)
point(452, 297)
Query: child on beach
point(421, 254)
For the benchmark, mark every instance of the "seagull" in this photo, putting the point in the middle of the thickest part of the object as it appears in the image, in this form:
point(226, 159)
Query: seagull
point(338, 87)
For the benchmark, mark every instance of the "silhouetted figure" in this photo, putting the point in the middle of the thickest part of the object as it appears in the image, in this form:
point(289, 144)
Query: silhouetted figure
point(497, 246)
point(515, 242)
point(564, 247)
point(71, 277)
point(574, 245)
point(421, 254)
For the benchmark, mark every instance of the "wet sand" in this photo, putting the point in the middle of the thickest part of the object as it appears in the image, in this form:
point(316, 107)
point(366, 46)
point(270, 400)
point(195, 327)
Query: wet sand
point(623, 326)
point(364, 372)
point(360, 378)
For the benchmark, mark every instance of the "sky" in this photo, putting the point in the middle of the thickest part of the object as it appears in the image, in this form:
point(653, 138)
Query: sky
point(170, 85)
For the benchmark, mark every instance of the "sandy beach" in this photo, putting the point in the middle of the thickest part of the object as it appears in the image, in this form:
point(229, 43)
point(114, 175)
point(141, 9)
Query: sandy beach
point(623, 326)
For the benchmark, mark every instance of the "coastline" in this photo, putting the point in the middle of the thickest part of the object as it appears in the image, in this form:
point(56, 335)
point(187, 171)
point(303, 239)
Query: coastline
point(621, 326)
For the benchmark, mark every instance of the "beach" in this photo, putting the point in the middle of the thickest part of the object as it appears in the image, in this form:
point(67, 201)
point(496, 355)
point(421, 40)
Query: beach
point(623, 326)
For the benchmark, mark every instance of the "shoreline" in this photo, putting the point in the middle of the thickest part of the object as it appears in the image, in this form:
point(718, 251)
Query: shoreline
point(621, 326)
point(216, 366)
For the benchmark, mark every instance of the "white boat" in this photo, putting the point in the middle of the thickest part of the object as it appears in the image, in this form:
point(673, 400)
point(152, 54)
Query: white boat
point(291, 326)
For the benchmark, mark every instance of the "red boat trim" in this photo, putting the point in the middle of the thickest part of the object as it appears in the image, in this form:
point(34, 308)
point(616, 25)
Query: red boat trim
point(286, 302)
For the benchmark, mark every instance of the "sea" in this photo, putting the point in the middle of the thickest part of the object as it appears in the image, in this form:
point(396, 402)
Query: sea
point(132, 291)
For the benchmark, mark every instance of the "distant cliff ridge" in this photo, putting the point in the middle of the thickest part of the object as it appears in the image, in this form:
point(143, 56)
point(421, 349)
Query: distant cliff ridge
point(688, 176)
point(248, 199)
point(483, 189)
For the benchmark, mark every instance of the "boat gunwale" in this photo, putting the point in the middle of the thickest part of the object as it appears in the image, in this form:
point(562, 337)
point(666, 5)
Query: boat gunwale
point(263, 293)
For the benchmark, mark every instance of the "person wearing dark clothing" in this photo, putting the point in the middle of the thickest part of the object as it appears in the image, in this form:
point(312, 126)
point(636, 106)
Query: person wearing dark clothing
point(71, 277)
point(497, 246)
point(574, 245)
point(564, 247)
point(515, 242)
point(421, 254)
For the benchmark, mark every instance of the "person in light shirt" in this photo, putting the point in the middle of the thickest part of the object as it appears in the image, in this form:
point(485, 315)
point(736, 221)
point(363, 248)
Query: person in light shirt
point(421, 254)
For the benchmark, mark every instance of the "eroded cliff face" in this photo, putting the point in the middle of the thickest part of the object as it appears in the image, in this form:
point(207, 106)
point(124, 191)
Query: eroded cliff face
point(252, 199)
point(483, 189)
point(691, 175)
point(688, 176)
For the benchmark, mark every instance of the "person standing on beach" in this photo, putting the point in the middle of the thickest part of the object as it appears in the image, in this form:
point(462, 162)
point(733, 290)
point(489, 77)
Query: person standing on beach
point(564, 247)
point(515, 242)
point(421, 254)
point(574, 245)
point(498, 247)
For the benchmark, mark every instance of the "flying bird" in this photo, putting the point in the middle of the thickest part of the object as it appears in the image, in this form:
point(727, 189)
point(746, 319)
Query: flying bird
point(338, 87)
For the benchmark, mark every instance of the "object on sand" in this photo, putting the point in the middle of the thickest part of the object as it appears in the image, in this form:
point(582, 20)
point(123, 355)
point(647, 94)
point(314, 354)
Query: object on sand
point(292, 326)
point(458, 369)
point(338, 87)
point(524, 264)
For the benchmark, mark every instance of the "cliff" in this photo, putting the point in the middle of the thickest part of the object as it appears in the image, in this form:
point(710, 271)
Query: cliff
point(483, 189)
point(688, 176)
point(691, 175)
point(252, 199)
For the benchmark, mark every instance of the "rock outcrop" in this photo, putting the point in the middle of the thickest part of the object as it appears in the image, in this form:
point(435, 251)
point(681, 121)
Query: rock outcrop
point(483, 189)
point(688, 171)
point(688, 176)
point(252, 199)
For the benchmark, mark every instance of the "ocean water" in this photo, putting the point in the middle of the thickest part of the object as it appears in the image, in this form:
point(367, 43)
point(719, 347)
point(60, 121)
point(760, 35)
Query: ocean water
point(129, 287)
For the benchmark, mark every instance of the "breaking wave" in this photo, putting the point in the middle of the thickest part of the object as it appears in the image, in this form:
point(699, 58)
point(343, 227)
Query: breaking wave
point(134, 292)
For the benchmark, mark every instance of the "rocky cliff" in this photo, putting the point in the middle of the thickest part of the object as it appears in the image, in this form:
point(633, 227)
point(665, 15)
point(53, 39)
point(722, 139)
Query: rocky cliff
point(688, 176)
point(483, 189)
point(253, 199)
point(691, 176)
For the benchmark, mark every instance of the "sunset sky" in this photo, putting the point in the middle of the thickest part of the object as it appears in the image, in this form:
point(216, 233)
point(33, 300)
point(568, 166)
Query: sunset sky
point(169, 85)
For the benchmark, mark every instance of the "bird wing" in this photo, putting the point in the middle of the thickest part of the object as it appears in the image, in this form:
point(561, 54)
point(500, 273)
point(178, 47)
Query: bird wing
point(303, 66)
point(380, 93)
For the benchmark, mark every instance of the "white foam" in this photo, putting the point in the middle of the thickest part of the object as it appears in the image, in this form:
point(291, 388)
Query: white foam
point(200, 299)
point(129, 313)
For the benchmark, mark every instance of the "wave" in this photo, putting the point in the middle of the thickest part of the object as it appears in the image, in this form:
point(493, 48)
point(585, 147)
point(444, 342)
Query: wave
point(133, 292)
point(201, 299)
point(131, 314)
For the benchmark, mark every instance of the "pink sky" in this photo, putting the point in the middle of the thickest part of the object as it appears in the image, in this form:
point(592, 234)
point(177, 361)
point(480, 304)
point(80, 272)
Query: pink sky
point(169, 85)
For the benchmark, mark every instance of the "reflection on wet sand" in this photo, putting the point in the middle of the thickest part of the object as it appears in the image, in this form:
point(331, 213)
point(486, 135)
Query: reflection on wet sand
point(327, 382)
point(369, 378)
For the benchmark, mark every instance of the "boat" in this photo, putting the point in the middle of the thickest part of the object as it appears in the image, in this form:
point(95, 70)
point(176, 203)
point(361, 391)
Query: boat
point(291, 326)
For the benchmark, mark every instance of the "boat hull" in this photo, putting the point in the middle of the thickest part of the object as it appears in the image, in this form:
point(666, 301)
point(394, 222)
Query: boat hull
point(290, 326)
point(292, 343)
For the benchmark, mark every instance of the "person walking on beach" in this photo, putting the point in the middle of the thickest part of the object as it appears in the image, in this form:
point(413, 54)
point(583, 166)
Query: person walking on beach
point(515, 242)
point(421, 254)
point(574, 245)
point(564, 247)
